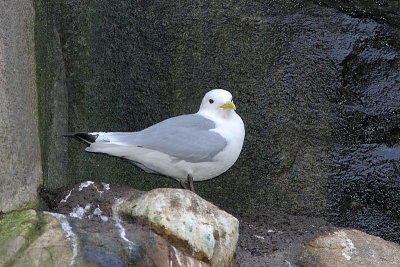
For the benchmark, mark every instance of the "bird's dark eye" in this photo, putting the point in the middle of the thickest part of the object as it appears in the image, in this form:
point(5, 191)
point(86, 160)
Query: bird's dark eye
point(211, 101)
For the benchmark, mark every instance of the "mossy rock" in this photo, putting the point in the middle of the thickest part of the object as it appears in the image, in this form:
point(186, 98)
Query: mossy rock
point(17, 230)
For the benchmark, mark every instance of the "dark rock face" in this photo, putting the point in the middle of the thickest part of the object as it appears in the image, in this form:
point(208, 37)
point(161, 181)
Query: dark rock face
point(365, 189)
point(380, 10)
point(318, 91)
point(364, 185)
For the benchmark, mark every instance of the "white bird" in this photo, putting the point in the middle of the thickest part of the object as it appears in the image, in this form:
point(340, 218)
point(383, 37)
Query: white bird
point(189, 148)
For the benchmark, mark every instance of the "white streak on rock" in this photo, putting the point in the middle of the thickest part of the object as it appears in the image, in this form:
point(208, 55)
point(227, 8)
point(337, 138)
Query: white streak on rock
point(348, 245)
point(106, 186)
point(89, 183)
point(104, 218)
point(122, 234)
point(259, 237)
point(70, 235)
point(79, 212)
point(288, 263)
point(97, 212)
point(170, 263)
point(121, 228)
point(178, 254)
point(85, 184)
point(349, 249)
point(65, 199)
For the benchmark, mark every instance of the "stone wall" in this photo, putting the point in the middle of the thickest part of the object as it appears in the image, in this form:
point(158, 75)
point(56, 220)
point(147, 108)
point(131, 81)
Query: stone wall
point(52, 94)
point(20, 164)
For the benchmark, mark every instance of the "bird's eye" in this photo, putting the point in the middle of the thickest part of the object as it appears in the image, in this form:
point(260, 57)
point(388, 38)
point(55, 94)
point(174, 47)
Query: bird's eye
point(211, 101)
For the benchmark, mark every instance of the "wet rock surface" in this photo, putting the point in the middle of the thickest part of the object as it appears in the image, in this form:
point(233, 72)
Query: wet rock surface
point(364, 186)
point(382, 11)
point(366, 190)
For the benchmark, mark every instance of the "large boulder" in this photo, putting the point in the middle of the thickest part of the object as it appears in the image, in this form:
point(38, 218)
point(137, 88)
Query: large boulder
point(348, 247)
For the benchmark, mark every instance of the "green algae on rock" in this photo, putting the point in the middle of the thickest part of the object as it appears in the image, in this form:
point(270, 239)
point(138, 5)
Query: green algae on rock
point(17, 230)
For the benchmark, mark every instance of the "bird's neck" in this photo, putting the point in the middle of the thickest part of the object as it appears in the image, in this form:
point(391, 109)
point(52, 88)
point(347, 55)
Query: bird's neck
point(220, 115)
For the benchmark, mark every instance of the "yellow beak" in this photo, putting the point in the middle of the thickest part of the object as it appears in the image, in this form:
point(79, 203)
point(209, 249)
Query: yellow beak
point(228, 105)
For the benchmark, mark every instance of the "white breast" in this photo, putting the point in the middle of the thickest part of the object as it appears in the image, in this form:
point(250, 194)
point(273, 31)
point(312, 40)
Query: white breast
point(233, 131)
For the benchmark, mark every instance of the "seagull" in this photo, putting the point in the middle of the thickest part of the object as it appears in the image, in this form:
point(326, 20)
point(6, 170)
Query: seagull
point(192, 147)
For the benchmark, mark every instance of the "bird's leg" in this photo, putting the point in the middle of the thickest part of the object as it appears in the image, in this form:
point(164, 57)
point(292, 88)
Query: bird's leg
point(188, 184)
point(184, 185)
point(190, 181)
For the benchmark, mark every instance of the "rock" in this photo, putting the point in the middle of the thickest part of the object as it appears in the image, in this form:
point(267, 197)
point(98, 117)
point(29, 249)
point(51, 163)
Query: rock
point(348, 247)
point(16, 230)
point(20, 163)
point(30, 238)
point(91, 233)
point(56, 245)
point(187, 221)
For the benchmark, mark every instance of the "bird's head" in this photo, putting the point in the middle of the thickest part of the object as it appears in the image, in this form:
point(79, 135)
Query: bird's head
point(217, 102)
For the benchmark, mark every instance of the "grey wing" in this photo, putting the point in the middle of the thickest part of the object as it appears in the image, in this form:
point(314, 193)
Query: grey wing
point(186, 137)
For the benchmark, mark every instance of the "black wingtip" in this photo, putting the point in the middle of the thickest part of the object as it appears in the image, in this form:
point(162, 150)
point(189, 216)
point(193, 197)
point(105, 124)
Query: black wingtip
point(87, 138)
